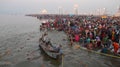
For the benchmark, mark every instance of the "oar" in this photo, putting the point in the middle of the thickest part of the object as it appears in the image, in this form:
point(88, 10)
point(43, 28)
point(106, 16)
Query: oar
point(30, 54)
point(34, 51)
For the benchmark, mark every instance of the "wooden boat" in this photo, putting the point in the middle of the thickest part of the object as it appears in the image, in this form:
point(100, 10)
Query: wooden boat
point(50, 52)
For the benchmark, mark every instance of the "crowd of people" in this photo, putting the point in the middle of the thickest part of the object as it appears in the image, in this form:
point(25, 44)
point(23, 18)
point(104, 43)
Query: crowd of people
point(92, 32)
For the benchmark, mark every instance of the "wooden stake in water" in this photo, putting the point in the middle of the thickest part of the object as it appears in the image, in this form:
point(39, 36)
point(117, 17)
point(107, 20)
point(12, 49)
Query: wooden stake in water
point(62, 60)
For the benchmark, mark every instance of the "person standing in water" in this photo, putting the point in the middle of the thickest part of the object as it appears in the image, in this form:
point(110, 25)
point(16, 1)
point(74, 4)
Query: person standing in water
point(116, 47)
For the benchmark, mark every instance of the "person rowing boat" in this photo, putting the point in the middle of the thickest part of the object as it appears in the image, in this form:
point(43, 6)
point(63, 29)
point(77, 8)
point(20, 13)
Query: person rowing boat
point(49, 49)
point(58, 49)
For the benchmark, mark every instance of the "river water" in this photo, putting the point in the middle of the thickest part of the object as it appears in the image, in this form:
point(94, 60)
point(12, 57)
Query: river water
point(19, 40)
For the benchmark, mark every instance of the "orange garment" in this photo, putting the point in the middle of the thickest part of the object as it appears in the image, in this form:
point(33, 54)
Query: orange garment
point(113, 38)
point(116, 47)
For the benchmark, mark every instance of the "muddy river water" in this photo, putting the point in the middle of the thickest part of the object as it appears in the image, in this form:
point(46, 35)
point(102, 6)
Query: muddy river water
point(19, 40)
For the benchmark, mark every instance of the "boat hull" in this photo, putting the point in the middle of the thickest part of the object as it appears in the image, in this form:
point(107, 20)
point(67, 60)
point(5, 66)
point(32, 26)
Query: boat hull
point(54, 55)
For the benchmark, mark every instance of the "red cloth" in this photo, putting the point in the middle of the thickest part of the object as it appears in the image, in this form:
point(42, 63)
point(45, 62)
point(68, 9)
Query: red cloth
point(77, 38)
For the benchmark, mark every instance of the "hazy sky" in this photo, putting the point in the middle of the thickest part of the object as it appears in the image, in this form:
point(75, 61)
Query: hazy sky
point(35, 6)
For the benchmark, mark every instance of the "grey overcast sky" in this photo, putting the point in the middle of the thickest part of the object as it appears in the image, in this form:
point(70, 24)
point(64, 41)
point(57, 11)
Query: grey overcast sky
point(35, 6)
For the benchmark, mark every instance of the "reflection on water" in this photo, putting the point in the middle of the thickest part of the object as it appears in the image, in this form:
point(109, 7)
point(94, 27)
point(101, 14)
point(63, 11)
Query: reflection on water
point(46, 58)
point(27, 64)
point(19, 36)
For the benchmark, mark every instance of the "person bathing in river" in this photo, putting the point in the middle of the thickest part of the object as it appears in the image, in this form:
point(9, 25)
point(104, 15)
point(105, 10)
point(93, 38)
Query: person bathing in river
point(90, 45)
point(71, 40)
point(104, 50)
point(116, 47)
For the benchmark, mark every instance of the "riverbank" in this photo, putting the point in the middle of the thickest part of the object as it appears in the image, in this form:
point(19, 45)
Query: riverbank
point(90, 32)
